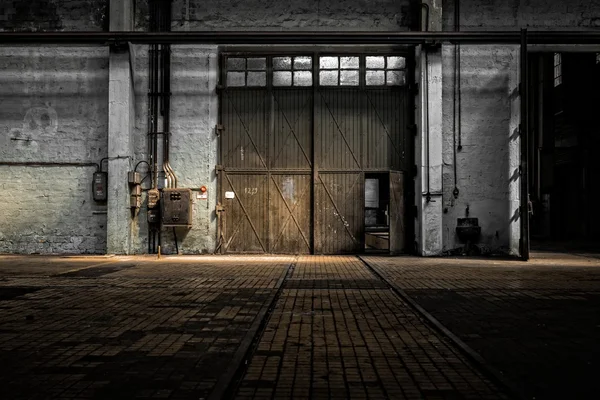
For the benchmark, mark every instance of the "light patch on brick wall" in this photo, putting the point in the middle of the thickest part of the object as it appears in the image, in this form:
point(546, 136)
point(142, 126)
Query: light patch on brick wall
point(53, 108)
point(485, 165)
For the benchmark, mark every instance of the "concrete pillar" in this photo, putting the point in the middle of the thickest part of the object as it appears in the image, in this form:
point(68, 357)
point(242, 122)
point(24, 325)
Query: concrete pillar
point(514, 158)
point(428, 152)
point(120, 128)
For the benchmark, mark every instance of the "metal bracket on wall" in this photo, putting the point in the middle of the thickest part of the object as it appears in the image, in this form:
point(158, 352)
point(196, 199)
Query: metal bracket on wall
point(218, 168)
point(219, 129)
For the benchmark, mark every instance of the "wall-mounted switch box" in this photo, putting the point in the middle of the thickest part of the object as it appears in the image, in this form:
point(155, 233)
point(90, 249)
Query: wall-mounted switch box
point(176, 207)
point(100, 186)
point(153, 216)
point(134, 178)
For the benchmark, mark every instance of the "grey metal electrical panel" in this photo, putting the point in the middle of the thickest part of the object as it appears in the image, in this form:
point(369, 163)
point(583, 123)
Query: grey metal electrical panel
point(176, 207)
point(100, 185)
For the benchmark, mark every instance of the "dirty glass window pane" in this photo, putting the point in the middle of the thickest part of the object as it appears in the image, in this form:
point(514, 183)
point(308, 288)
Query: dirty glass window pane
point(349, 78)
point(257, 78)
point(394, 62)
point(238, 64)
point(395, 78)
point(257, 64)
point(302, 78)
point(282, 63)
point(328, 62)
point(375, 78)
point(348, 62)
point(302, 63)
point(282, 78)
point(236, 79)
point(328, 78)
point(375, 62)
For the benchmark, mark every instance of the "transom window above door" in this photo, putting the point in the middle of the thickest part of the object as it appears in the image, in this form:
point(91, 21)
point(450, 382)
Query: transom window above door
point(307, 70)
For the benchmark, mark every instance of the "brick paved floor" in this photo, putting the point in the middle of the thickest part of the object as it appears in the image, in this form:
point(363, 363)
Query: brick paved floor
point(136, 327)
point(76, 328)
point(339, 332)
point(537, 322)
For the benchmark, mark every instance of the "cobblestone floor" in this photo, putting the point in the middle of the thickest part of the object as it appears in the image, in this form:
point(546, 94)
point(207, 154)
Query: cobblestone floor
point(537, 322)
point(338, 331)
point(127, 328)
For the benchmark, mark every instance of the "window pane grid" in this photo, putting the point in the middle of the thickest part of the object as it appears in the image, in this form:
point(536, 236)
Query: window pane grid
point(334, 71)
point(385, 70)
point(292, 71)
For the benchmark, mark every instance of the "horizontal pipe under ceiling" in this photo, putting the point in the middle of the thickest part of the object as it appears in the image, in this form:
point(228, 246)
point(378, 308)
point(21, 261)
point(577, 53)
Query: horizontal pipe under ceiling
point(297, 38)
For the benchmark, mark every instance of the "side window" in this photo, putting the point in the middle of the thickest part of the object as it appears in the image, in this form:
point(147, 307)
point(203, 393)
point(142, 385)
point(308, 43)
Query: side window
point(557, 69)
point(292, 71)
point(246, 72)
point(385, 70)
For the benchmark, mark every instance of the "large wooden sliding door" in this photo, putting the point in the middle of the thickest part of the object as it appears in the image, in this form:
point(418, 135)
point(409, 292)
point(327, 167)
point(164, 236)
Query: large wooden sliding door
point(298, 134)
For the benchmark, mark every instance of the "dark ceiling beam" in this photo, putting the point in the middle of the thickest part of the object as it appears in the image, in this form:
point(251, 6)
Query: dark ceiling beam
point(296, 38)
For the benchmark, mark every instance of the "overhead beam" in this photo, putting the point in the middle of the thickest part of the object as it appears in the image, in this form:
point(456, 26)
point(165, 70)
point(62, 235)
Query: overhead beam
point(298, 38)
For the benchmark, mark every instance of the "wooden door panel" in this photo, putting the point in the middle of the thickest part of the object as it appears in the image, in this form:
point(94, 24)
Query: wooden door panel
point(245, 215)
point(397, 213)
point(339, 213)
point(289, 214)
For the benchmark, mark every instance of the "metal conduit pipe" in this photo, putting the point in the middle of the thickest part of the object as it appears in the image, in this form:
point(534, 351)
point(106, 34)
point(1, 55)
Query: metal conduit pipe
point(298, 37)
point(164, 25)
point(426, 106)
point(457, 97)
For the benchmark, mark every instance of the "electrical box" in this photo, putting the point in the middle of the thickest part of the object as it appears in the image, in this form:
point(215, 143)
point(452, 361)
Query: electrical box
point(134, 178)
point(153, 198)
point(176, 207)
point(153, 215)
point(100, 186)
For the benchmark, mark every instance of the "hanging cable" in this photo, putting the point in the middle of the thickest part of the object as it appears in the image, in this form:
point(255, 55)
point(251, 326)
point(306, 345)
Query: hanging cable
point(175, 238)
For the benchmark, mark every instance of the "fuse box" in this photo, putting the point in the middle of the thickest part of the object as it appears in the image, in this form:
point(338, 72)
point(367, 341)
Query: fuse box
point(176, 207)
point(100, 180)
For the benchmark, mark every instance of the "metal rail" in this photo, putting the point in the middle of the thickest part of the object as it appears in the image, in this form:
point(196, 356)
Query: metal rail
point(297, 37)
point(487, 369)
point(229, 382)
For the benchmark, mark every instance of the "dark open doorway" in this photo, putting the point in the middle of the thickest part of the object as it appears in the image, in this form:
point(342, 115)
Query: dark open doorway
point(565, 138)
point(377, 202)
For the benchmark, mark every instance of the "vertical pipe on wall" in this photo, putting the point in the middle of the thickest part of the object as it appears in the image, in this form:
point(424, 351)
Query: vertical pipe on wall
point(459, 80)
point(426, 94)
point(524, 134)
point(456, 101)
